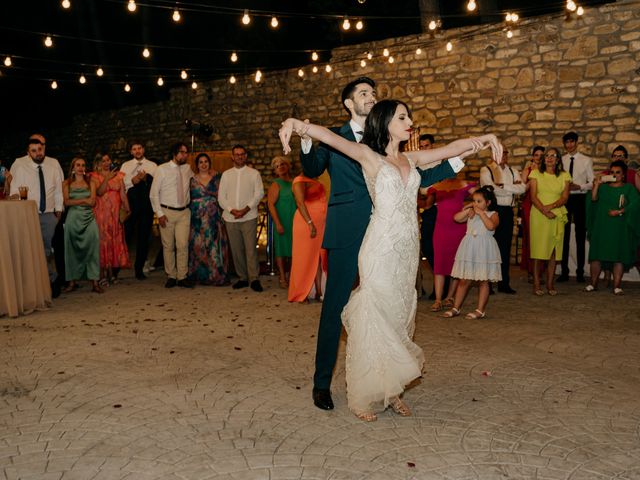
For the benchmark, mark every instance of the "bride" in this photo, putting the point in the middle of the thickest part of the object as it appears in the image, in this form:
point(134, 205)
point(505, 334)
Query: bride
point(380, 315)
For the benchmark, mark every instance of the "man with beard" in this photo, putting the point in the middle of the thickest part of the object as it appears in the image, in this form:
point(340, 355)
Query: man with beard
point(347, 219)
point(169, 197)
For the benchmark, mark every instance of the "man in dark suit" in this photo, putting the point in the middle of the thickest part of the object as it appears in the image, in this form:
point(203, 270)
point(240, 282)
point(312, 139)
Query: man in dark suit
point(347, 219)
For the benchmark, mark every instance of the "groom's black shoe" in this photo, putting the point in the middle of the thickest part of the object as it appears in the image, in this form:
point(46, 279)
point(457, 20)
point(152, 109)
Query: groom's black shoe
point(322, 399)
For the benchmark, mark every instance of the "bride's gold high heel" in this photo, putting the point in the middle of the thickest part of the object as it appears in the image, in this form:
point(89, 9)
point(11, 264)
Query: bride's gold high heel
point(399, 407)
point(367, 416)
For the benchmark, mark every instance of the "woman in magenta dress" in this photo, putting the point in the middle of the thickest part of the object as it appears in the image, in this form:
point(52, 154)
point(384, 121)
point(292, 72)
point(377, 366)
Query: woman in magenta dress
point(449, 195)
point(110, 197)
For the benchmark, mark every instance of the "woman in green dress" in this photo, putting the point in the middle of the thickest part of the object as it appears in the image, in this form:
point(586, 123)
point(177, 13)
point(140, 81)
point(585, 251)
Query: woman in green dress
point(282, 206)
point(549, 191)
point(613, 226)
point(81, 237)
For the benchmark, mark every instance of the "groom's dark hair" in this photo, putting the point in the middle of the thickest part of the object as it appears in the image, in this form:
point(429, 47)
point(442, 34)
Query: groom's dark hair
point(376, 127)
point(347, 92)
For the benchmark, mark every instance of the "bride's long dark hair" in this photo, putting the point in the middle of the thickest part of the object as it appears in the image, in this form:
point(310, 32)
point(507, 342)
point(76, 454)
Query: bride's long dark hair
point(376, 127)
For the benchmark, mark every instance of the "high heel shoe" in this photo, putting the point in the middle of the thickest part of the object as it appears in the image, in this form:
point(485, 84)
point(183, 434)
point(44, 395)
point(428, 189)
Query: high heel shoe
point(367, 416)
point(399, 407)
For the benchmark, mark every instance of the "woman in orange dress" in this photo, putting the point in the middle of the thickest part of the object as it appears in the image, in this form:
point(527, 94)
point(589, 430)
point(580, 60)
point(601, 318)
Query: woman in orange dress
point(308, 258)
point(110, 197)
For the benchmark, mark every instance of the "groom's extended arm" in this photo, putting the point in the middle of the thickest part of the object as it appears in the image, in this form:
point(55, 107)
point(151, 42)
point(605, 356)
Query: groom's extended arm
point(315, 161)
point(438, 173)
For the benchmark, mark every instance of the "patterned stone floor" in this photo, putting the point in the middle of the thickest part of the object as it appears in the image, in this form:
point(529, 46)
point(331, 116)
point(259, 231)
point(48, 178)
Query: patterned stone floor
point(148, 383)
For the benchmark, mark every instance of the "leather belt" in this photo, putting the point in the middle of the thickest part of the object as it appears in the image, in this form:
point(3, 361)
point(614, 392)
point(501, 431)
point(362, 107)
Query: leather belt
point(178, 209)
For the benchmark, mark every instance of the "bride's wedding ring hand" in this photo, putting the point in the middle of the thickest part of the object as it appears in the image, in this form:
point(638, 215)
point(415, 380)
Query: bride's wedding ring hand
point(285, 133)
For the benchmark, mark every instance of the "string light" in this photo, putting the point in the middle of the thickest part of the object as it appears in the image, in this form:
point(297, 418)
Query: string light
point(54, 85)
point(82, 79)
point(234, 57)
point(48, 42)
point(346, 24)
point(7, 62)
point(391, 59)
point(359, 25)
point(580, 11)
point(146, 53)
point(433, 25)
point(246, 19)
point(127, 87)
point(66, 4)
point(418, 51)
point(131, 6)
point(232, 79)
point(449, 46)
point(369, 55)
point(385, 52)
point(314, 56)
point(183, 74)
point(363, 63)
point(509, 34)
point(571, 5)
point(301, 73)
point(327, 68)
point(471, 6)
point(99, 72)
point(274, 22)
point(176, 15)
point(511, 17)
point(315, 69)
point(194, 85)
point(258, 76)
point(160, 81)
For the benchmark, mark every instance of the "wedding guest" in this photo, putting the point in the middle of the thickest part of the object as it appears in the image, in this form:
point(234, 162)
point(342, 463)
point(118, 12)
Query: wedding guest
point(613, 226)
point(81, 237)
point(282, 206)
point(526, 263)
point(169, 197)
point(549, 190)
point(239, 195)
point(633, 176)
point(208, 242)
point(309, 259)
point(111, 204)
point(580, 168)
point(138, 176)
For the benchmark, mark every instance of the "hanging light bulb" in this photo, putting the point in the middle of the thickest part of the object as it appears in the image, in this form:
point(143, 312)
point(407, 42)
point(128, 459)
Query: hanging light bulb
point(82, 79)
point(580, 11)
point(54, 85)
point(369, 55)
point(571, 5)
point(314, 56)
point(194, 85)
point(176, 15)
point(66, 4)
point(359, 25)
point(509, 34)
point(327, 68)
point(363, 63)
point(146, 53)
point(234, 57)
point(48, 42)
point(507, 17)
point(274, 22)
point(391, 59)
point(515, 17)
point(131, 6)
point(183, 74)
point(433, 25)
point(246, 19)
point(99, 72)
point(346, 24)
point(385, 52)
point(7, 62)
point(449, 46)
point(258, 76)
point(232, 79)
point(471, 6)
point(301, 73)
point(127, 87)
point(315, 69)
point(418, 51)
point(160, 81)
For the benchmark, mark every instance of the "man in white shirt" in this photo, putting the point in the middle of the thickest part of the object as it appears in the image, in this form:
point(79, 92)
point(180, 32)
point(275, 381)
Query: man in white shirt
point(138, 175)
point(507, 184)
point(169, 197)
point(43, 177)
point(580, 167)
point(239, 195)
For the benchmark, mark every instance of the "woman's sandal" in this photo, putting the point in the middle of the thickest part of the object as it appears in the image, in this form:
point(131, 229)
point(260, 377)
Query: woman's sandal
point(399, 407)
point(454, 312)
point(283, 284)
point(437, 306)
point(552, 292)
point(475, 315)
point(71, 288)
point(590, 288)
point(367, 416)
point(539, 292)
point(448, 302)
point(97, 289)
point(618, 291)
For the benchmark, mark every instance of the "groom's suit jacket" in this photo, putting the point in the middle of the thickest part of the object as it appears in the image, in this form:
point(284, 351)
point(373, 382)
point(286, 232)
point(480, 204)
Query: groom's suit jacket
point(349, 201)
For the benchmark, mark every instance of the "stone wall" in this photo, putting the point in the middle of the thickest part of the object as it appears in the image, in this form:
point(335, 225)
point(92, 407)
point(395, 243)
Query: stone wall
point(552, 76)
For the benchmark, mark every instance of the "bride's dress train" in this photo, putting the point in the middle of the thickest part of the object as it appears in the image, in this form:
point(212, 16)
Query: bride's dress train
point(380, 316)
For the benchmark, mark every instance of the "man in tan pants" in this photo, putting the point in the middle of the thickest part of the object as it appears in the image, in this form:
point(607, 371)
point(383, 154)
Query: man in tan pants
point(169, 197)
point(239, 195)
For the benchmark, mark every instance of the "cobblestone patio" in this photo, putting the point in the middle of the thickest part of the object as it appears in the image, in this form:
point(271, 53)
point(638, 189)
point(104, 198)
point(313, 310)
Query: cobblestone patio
point(148, 383)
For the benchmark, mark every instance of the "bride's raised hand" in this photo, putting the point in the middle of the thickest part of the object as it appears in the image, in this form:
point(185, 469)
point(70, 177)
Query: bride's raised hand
point(492, 141)
point(476, 146)
point(285, 132)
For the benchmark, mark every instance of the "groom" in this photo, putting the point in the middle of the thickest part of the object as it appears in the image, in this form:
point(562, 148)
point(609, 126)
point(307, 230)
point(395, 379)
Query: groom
point(347, 219)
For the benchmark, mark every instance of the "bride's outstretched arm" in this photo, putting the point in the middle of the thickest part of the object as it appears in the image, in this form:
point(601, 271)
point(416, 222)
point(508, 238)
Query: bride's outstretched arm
point(460, 148)
point(357, 151)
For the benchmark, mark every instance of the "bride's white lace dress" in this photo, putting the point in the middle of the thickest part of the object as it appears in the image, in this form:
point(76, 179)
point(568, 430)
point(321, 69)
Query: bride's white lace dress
point(380, 316)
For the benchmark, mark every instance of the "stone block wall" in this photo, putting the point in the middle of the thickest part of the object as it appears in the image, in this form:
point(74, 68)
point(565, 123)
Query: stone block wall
point(551, 77)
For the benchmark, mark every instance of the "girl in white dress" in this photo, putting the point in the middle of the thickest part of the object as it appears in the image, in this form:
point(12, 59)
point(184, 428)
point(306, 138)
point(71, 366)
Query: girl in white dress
point(478, 256)
point(380, 316)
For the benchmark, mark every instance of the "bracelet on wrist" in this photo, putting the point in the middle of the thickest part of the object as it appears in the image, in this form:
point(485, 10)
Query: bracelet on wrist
point(310, 222)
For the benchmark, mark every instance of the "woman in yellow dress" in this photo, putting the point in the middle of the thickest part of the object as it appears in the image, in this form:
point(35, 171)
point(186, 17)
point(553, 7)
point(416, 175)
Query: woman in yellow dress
point(549, 193)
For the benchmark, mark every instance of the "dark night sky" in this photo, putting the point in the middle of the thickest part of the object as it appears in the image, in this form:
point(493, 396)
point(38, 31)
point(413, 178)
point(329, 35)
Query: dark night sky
point(195, 43)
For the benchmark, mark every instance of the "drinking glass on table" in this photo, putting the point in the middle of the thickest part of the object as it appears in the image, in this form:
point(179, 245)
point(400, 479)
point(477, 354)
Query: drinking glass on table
point(23, 191)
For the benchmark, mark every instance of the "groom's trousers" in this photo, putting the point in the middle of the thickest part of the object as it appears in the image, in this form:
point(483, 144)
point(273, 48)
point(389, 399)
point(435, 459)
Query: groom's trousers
point(341, 275)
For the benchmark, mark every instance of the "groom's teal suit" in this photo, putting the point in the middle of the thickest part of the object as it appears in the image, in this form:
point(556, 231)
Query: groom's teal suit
point(347, 219)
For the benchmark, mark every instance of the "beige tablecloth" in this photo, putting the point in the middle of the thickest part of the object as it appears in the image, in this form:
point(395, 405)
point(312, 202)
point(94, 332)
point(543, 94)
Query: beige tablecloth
point(24, 280)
